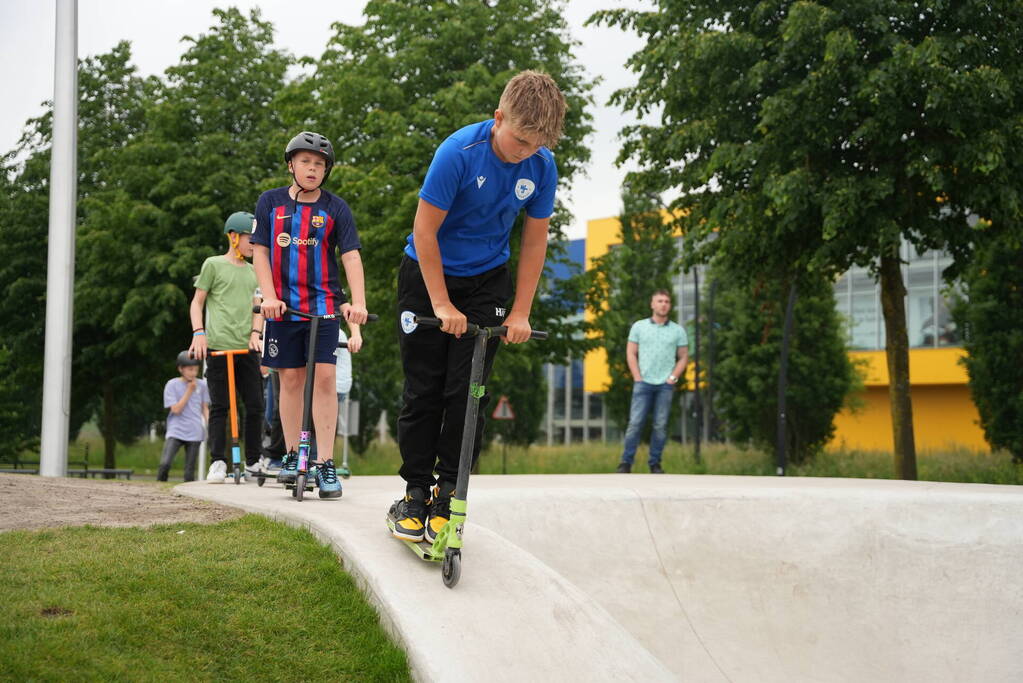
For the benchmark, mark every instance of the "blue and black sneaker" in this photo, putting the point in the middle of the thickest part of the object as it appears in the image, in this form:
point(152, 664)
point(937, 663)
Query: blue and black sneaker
point(327, 480)
point(289, 469)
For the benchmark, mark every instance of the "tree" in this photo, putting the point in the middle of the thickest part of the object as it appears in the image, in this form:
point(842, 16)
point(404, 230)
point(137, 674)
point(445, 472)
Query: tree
point(821, 135)
point(820, 375)
point(387, 93)
point(621, 283)
point(204, 153)
point(110, 111)
point(23, 219)
point(991, 312)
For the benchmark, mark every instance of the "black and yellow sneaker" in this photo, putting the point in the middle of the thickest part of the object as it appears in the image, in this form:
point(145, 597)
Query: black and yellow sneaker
point(408, 515)
point(440, 509)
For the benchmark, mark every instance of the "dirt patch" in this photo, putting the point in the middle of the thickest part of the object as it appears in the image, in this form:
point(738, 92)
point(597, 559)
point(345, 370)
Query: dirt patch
point(33, 502)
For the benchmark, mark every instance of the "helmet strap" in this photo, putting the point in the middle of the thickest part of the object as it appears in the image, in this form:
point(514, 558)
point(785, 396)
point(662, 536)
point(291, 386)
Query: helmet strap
point(235, 240)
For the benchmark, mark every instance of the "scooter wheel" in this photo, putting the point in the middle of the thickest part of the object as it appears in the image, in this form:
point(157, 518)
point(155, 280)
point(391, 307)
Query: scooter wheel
point(260, 480)
point(237, 474)
point(451, 570)
point(344, 472)
point(300, 487)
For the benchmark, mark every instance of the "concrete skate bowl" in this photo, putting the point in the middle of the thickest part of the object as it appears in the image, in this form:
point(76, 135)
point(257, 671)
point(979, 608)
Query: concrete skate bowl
point(763, 579)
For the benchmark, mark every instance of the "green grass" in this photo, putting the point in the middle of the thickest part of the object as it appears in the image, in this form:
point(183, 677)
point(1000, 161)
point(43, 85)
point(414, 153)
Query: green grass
point(955, 465)
point(946, 465)
point(185, 602)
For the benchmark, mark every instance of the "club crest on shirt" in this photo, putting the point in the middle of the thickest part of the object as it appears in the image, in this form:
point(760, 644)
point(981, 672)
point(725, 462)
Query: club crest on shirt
point(408, 322)
point(283, 240)
point(524, 187)
point(317, 221)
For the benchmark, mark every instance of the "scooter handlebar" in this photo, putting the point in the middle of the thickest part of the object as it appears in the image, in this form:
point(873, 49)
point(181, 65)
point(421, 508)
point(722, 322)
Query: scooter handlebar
point(473, 329)
point(370, 317)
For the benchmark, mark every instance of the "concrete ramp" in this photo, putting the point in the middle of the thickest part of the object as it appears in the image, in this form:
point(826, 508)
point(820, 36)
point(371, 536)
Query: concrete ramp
point(694, 578)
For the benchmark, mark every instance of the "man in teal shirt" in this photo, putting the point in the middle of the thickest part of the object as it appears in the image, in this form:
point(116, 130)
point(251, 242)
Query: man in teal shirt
point(657, 353)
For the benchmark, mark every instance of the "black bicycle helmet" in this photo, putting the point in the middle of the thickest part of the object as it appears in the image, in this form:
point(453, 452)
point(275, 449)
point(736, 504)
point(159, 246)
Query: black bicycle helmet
point(312, 142)
point(185, 359)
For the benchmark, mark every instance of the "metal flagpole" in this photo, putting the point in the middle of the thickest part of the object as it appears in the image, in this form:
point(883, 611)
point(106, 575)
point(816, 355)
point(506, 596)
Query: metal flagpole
point(60, 268)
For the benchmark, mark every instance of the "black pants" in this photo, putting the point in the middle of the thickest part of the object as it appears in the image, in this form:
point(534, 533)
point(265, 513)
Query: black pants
point(274, 446)
point(248, 383)
point(437, 369)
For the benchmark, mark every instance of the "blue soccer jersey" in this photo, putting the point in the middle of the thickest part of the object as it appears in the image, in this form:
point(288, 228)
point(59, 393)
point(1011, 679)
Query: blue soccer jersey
point(303, 239)
point(483, 195)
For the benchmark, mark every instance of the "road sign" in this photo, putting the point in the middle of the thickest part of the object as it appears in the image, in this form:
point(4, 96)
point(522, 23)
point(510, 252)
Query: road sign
point(503, 411)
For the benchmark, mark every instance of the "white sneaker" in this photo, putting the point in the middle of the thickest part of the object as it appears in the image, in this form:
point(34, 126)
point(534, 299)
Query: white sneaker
point(257, 467)
point(218, 472)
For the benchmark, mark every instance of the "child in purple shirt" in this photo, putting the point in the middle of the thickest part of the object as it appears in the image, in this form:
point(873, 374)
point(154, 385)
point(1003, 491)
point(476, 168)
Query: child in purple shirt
point(189, 403)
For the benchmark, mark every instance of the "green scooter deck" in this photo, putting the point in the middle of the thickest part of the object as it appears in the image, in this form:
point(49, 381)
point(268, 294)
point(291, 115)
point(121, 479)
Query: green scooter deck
point(425, 551)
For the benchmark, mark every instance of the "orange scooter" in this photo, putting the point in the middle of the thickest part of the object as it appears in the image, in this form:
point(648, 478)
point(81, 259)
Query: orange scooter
point(236, 454)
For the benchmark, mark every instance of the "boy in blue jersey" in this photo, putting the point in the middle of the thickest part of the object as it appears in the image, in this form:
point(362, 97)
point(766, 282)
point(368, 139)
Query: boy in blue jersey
point(298, 230)
point(455, 268)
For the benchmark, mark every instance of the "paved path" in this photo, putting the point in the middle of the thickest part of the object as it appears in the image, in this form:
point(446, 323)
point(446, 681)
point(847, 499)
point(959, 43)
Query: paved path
point(695, 578)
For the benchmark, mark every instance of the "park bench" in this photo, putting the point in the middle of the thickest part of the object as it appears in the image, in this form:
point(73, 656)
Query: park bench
point(101, 471)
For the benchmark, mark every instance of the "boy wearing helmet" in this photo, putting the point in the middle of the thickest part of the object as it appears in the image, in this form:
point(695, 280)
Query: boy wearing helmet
point(299, 229)
point(455, 268)
point(187, 398)
point(227, 289)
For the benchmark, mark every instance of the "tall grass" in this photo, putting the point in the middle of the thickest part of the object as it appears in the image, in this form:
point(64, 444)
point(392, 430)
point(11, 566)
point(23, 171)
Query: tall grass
point(951, 464)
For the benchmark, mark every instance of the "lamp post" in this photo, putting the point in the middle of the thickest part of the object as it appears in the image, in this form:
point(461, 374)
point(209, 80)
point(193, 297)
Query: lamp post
point(60, 258)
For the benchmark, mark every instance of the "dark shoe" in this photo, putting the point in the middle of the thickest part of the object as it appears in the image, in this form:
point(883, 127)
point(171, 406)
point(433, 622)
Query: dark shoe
point(623, 468)
point(440, 509)
point(289, 469)
point(408, 515)
point(656, 468)
point(327, 481)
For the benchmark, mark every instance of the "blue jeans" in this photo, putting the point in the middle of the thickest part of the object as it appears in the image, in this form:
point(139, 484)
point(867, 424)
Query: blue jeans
point(644, 397)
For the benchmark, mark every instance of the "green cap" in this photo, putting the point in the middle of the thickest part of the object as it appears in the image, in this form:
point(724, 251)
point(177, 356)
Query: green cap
point(241, 222)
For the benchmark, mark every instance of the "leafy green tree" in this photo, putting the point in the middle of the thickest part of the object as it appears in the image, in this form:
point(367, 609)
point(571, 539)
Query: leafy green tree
point(110, 114)
point(621, 283)
point(204, 154)
point(387, 93)
point(750, 318)
point(23, 224)
point(992, 315)
point(821, 134)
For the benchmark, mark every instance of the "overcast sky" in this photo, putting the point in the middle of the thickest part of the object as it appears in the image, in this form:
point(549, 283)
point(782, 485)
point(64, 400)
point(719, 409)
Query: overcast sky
point(155, 28)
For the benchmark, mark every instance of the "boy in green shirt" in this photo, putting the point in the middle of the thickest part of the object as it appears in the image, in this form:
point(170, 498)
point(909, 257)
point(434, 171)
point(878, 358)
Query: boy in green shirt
point(227, 288)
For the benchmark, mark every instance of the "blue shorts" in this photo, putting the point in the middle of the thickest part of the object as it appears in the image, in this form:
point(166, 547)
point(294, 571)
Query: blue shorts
point(286, 343)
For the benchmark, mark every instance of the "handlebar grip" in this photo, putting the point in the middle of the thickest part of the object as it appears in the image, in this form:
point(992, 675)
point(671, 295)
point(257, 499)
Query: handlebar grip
point(370, 317)
point(472, 328)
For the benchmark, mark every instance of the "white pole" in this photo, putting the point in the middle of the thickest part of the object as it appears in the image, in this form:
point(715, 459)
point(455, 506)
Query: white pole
point(60, 268)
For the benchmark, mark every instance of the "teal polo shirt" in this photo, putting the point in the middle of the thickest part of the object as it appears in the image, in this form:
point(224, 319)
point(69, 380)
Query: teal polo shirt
point(657, 348)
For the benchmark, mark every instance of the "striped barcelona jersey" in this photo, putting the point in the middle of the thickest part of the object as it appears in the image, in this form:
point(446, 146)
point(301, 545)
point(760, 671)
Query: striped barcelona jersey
point(303, 239)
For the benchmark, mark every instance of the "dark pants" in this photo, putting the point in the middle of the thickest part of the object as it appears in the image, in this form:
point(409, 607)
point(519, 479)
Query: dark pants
point(275, 447)
point(248, 383)
point(437, 369)
point(170, 449)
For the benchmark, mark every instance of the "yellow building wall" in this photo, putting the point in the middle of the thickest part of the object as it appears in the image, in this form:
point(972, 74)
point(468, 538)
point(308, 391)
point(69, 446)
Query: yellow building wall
point(944, 415)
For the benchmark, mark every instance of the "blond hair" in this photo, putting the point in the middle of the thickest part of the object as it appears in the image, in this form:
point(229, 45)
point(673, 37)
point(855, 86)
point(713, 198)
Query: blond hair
point(533, 103)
